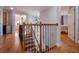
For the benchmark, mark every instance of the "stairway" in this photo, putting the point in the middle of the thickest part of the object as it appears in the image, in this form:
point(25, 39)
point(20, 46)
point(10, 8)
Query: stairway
point(31, 44)
point(28, 41)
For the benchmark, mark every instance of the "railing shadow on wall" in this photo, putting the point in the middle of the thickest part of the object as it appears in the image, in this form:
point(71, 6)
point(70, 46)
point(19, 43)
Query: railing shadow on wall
point(43, 35)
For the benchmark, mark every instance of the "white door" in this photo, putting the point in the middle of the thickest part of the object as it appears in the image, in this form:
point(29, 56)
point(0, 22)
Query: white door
point(71, 24)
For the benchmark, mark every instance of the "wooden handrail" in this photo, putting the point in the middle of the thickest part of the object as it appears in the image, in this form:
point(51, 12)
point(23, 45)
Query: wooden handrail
point(42, 24)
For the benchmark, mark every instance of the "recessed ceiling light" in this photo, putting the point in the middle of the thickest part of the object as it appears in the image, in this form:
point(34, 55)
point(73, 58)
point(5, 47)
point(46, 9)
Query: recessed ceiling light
point(11, 8)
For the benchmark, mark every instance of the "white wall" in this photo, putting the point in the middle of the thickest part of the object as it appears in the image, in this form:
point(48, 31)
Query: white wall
point(1, 21)
point(49, 15)
point(32, 15)
point(52, 15)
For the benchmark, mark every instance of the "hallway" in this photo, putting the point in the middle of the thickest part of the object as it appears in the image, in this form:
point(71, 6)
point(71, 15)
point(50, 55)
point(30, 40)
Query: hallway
point(68, 46)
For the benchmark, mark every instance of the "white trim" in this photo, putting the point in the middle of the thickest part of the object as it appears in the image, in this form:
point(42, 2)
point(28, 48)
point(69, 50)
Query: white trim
point(76, 25)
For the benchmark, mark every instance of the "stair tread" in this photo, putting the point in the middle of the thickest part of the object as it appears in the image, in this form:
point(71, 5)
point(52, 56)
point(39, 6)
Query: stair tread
point(31, 49)
point(29, 46)
point(29, 42)
point(28, 37)
point(28, 33)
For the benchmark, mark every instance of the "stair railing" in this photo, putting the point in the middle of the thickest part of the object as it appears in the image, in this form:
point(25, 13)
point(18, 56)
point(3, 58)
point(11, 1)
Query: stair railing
point(46, 31)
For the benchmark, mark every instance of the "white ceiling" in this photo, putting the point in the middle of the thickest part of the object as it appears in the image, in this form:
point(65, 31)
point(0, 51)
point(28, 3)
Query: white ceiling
point(27, 9)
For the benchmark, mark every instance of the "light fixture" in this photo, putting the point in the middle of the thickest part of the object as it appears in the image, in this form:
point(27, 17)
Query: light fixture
point(11, 8)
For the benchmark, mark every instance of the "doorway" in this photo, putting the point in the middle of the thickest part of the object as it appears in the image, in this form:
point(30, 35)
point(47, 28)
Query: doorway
point(6, 22)
point(68, 24)
point(19, 20)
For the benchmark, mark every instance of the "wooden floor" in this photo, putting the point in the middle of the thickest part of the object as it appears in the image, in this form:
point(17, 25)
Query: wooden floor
point(12, 44)
point(67, 46)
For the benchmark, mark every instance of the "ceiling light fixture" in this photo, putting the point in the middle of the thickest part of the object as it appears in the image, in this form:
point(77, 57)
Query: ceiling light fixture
point(11, 8)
